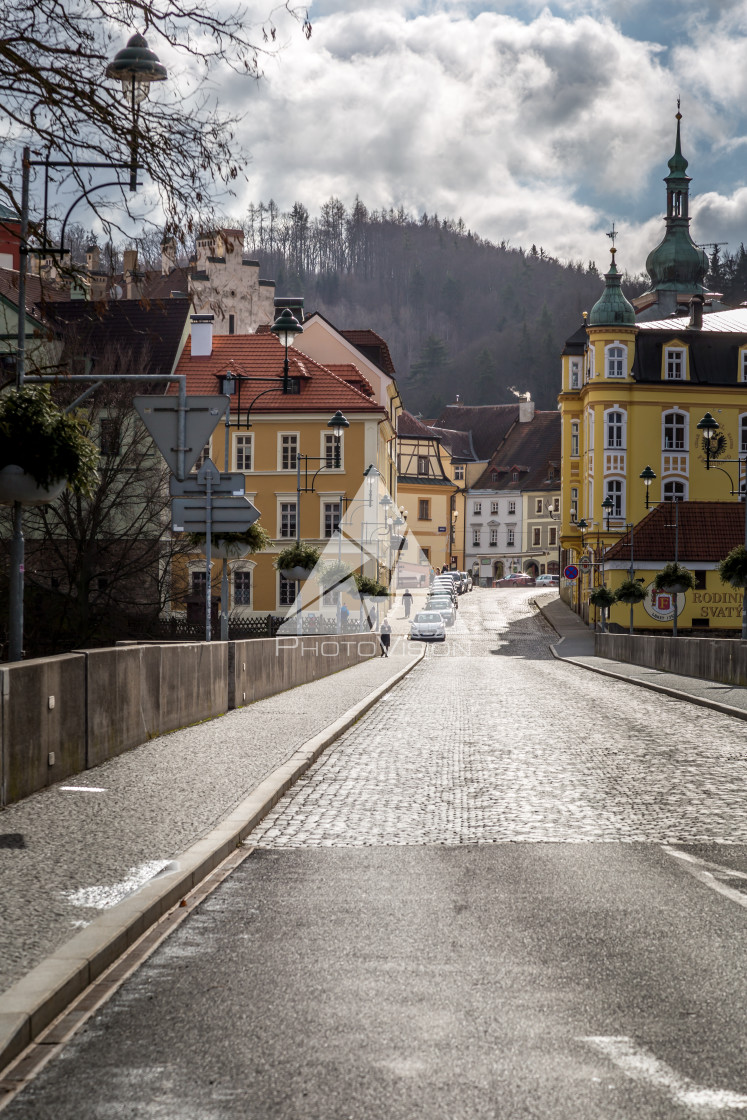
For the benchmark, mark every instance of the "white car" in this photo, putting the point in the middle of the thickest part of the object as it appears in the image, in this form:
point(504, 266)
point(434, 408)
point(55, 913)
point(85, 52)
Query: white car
point(444, 606)
point(427, 626)
point(547, 580)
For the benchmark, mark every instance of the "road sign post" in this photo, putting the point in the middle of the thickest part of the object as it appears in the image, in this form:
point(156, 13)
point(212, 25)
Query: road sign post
point(180, 429)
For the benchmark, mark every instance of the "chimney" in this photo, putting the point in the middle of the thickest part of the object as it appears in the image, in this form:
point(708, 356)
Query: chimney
point(696, 313)
point(202, 335)
point(526, 409)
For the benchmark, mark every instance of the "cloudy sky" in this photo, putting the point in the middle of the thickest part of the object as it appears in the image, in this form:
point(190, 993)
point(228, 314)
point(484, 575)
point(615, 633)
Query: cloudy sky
point(533, 122)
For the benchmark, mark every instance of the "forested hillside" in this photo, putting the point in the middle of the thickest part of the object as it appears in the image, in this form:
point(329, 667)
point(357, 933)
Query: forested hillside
point(461, 315)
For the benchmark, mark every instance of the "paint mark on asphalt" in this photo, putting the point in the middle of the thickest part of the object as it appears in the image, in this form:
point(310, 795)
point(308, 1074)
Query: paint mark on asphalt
point(641, 1065)
point(712, 875)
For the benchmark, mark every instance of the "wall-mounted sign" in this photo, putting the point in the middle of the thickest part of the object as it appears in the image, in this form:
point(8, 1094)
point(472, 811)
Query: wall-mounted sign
point(442, 528)
point(660, 604)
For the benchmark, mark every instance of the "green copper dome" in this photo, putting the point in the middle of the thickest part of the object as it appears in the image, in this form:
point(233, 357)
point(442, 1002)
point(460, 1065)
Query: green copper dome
point(612, 309)
point(677, 264)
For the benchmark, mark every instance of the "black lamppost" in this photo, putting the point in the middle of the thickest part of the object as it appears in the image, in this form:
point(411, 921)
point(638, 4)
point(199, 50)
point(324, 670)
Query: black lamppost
point(709, 426)
point(286, 327)
point(136, 67)
point(608, 506)
point(648, 475)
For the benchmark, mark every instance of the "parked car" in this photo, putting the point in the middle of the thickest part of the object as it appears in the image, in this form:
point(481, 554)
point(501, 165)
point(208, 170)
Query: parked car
point(444, 606)
point(543, 581)
point(467, 579)
point(445, 587)
point(428, 626)
point(518, 579)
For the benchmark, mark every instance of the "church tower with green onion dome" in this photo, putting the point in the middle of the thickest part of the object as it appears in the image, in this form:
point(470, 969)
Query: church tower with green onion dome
point(677, 267)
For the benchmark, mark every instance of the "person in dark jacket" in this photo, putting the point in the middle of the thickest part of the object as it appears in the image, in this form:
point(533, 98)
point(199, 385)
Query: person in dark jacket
point(407, 602)
point(385, 636)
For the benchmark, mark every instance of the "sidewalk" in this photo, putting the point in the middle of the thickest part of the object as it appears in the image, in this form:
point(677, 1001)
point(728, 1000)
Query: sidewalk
point(576, 645)
point(88, 864)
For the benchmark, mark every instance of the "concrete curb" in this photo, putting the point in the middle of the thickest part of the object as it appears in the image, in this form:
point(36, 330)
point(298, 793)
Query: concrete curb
point(666, 690)
point(30, 1004)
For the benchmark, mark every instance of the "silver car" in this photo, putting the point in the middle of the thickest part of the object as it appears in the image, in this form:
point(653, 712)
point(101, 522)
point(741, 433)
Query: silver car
point(444, 606)
point(427, 626)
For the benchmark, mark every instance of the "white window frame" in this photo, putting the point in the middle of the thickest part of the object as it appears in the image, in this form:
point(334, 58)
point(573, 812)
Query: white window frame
point(475, 538)
point(494, 507)
point(743, 364)
point(574, 438)
point(424, 465)
point(206, 453)
point(510, 536)
point(512, 507)
point(615, 360)
point(477, 509)
point(459, 472)
point(243, 439)
point(281, 536)
point(574, 503)
point(611, 443)
point(246, 566)
point(281, 437)
point(675, 363)
point(679, 414)
point(281, 581)
point(742, 429)
point(668, 485)
point(494, 536)
point(575, 374)
point(323, 517)
point(614, 488)
point(327, 445)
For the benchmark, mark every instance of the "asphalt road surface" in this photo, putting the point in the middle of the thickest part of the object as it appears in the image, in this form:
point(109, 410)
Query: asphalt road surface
point(513, 890)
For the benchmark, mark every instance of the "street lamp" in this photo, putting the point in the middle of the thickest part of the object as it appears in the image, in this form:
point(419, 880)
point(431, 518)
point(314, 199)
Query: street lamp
point(648, 476)
point(138, 70)
point(709, 426)
point(286, 327)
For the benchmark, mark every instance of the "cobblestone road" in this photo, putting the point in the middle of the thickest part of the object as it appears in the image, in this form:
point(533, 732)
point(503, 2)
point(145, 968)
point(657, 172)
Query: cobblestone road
point(491, 739)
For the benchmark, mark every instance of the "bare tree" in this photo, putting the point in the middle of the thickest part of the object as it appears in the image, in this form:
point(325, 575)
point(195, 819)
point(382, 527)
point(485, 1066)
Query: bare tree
point(55, 98)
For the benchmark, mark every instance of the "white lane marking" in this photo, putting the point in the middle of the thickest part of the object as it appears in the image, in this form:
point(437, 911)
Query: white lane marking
point(710, 874)
point(82, 789)
point(641, 1065)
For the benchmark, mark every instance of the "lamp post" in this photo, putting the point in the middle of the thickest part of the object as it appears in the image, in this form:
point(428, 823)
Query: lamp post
point(136, 67)
point(648, 475)
point(286, 327)
point(608, 506)
point(709, 426)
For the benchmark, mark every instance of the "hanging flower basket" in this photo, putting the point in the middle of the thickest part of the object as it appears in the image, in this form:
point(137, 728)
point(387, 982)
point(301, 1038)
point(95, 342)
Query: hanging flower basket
point(234, 546)
point(17, 485)
point(297, 561)
point(675, 579)
point(40, 440)
point(630, 591)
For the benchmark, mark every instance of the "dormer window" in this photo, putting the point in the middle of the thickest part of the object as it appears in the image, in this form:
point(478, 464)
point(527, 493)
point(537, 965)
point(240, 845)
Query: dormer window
point(675, 359)
point(514, 476)
point(494, 476)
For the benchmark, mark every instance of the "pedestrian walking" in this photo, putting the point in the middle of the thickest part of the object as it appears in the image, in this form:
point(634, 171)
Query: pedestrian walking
point(344, 615)
point(407, 602)
point(385, 636)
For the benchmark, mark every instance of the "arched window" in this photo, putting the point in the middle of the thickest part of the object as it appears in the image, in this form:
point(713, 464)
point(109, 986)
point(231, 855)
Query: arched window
point(673, 491)
point(674, 431)
point(614, 488)
point(614, 361)
point(614, 429)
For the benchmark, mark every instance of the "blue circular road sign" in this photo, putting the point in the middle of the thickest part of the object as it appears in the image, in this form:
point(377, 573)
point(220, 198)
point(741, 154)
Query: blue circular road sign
point(571, 572)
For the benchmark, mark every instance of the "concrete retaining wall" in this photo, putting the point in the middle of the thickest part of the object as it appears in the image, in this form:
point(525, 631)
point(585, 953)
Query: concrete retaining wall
point(62, 715)
point(709, 659)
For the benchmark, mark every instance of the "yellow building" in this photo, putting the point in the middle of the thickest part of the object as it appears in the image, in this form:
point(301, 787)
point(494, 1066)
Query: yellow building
point(635, 388)
point(268, 430)
point(424, 488)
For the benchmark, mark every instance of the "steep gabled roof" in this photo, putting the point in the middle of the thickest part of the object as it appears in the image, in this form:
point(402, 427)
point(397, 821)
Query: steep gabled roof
point(706, 533)
point(458, 444)
point(373, 347)
point(532, 450)
point(488, 423)
point(126, 325)
point(261, 356)
point(352, 376)
point(408, 426)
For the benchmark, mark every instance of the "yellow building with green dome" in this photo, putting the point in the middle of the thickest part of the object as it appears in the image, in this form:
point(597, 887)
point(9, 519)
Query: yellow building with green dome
point(637, 379)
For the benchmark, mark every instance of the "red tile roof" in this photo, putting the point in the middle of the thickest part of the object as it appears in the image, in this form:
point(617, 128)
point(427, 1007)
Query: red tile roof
point(706, 532)
point(261, 356)
point(38, 292)
point(531, 449)
point(352, 376)
point(372, 346)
